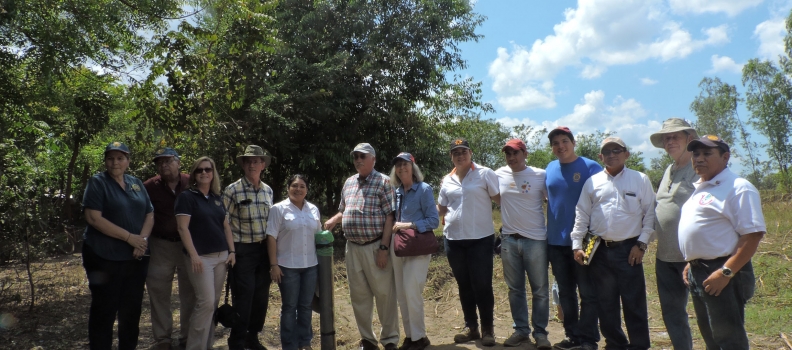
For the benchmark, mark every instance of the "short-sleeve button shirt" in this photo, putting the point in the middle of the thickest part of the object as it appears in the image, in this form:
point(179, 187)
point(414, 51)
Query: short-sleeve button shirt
point(248, 210)
point(365, 204)
point(207, 215)
point(125, 207)
point(294, 230)
point(717, 214)
point(469, 204)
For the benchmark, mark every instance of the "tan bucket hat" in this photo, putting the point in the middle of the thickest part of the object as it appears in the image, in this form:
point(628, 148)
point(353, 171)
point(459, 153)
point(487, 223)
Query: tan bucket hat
point(672, 125)
point(255, 151)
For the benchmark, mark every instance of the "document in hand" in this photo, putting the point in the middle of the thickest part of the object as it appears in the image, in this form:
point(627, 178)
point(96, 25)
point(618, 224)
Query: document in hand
point(590, 244)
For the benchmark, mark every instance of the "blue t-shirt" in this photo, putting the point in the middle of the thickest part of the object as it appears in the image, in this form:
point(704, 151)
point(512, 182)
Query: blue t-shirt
point(207, 214)
point(124, 207)
point(564, 184)
point(417, 205)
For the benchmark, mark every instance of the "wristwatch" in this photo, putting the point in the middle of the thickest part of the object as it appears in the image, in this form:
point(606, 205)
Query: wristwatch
point(727, 272)
point(384, 247)
point(641, 245)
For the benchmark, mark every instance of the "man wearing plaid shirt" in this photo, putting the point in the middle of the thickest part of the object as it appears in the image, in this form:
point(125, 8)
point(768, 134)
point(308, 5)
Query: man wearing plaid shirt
point(248, 201)
point(366, 215)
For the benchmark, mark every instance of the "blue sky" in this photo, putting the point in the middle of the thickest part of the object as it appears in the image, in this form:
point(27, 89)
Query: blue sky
point(615, 65)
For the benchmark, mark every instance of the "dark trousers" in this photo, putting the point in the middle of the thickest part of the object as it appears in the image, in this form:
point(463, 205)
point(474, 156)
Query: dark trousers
point(721, 318)
point(571, 278)
point(621, 288)
point(673, 294)
point(471, 262)
point(116, 290)
point(250, 286)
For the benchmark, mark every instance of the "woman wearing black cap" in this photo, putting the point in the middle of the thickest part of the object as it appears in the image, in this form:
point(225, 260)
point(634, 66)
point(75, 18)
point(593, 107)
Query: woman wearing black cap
point(120, 218)
point(415, 210)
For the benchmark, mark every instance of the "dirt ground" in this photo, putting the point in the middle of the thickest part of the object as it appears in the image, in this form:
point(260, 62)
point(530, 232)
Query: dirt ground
point(59, 319)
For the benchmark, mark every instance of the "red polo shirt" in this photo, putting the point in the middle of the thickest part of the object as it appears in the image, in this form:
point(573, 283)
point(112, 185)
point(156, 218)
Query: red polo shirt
point(164, 200)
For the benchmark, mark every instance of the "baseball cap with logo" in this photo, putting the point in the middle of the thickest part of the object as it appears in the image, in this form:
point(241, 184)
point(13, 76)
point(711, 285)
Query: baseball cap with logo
point(709, 141)
point(459, 143)
point(165, 152)
point(403, 156)
point(116, 146)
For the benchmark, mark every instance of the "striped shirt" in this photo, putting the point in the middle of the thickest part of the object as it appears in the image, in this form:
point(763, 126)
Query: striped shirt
point(248, 210)
point(366, 203)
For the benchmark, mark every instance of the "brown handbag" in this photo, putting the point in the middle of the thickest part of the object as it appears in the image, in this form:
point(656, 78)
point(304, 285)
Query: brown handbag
point(411, 243)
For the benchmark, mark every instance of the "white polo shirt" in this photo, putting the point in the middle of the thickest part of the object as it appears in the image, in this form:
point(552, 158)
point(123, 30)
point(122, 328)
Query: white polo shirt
point(294, 231)
point(522, 196)
point(717, 214)
point(469, 205)
point(615, 208)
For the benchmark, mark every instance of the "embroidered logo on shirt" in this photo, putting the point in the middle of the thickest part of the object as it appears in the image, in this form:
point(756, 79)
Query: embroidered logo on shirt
point(135, 188)
point(706, 199)
point(218, 203)
point(576, 177)
point(525, 187)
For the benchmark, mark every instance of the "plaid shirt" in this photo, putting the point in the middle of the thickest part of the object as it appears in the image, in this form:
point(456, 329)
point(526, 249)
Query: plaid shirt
point(366, 203)
point(248, 210)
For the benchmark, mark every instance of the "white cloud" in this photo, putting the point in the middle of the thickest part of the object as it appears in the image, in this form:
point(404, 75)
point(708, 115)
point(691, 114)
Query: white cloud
point(648, 81)
point(595, 35)
point(724, 64)
point(729, 7)
point(770, 34)
point(625, 117)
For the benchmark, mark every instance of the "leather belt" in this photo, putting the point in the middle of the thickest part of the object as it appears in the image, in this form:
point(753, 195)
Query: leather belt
point(611, 244)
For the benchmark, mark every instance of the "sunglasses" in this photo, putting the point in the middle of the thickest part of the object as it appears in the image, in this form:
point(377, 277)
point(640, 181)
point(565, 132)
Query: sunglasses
point(203, 170)
point(615, 152)
point(359, 156)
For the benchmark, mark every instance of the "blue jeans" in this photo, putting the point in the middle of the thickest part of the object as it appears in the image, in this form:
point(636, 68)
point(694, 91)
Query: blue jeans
point(520, 256)
point(297, 289)
point(721, 318)
point(471, 262)
point(572, 277)
point(673, 295)
point(621, 287)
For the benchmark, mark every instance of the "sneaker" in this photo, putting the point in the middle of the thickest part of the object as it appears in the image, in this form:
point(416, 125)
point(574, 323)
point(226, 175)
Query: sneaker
point(566, 344)
point(162, 346)
point(306, 348)
point(516, 339)
point(406, 344)
point(587, 346)
point(542, 343)
point(420, 344)
point(468, 334)
point(488, 336)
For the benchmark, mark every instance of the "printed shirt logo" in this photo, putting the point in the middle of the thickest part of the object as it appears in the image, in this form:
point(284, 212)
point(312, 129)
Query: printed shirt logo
point(135, 187)
point(576, 177)
point(218, 203)
point(525, 187)
point(512, 185)
point(706, 199)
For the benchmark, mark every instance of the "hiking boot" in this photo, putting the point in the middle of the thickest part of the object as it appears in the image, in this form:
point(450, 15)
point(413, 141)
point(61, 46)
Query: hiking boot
point(587, 346)
point(541, 342)
point(468, 334)
point(566, 344)
point(406, 344)
point(420, 344)
point(162, 346)
point(488, 336)
point(254, 344)
point(516, 339)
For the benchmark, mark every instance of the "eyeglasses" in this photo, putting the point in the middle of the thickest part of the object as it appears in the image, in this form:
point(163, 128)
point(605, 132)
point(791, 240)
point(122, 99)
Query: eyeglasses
point(202, 170)
point(359, 156)
point(615, 152)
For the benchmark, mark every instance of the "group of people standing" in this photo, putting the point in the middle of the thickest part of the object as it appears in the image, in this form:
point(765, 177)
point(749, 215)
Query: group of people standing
point(707, 220)
point(186, 224)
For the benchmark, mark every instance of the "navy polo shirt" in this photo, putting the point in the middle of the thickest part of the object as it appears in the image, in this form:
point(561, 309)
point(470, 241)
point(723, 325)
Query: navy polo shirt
point(206, 220)
point(125, 207)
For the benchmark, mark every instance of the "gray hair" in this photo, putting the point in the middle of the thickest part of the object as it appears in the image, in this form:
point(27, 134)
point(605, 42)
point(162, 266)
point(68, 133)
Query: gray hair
point(417, 176)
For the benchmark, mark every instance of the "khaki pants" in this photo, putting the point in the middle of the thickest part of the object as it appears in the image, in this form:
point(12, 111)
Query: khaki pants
point(167, 258)
point(208, 286)
point(410, 276)
point(367, 284)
